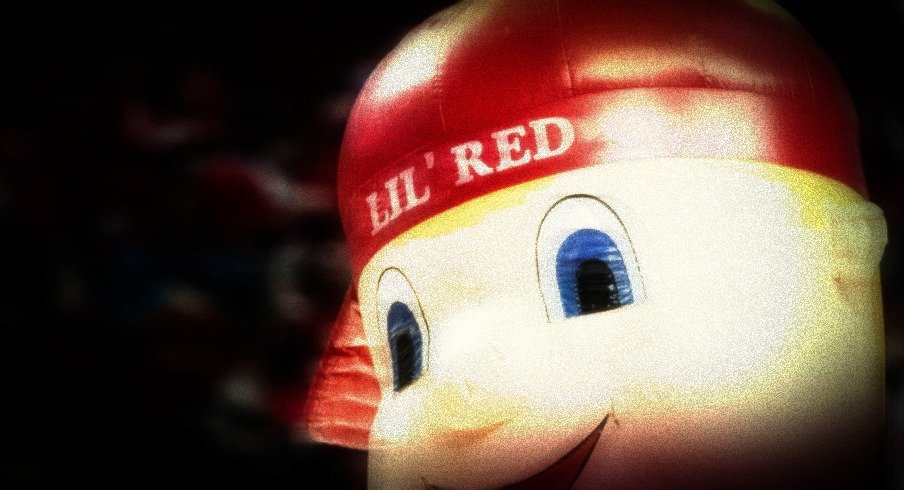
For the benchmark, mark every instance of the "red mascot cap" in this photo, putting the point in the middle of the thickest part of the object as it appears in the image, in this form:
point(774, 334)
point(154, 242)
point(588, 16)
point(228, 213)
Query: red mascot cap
point(490, 94)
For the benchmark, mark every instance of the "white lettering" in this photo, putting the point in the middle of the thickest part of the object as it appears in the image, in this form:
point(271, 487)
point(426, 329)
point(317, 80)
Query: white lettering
point(378, 219)
point(467, 157)
point(540, 127)
point(411, 198)
point(392, 186)
point(508, 146)
point(512, 152)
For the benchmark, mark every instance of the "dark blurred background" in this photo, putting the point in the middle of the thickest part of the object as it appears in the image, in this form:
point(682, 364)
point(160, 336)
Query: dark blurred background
point(172, 255)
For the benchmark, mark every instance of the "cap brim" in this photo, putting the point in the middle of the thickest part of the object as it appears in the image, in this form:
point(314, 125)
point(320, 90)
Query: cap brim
point(344, 393)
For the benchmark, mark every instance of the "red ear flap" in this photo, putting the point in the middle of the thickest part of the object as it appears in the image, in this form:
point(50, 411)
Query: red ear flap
point(344, 393)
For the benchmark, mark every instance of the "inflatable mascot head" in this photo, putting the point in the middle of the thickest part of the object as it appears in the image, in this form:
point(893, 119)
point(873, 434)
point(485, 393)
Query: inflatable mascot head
point(606, 243)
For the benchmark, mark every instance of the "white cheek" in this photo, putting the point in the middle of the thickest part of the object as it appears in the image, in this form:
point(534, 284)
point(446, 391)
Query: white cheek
point(726, 297)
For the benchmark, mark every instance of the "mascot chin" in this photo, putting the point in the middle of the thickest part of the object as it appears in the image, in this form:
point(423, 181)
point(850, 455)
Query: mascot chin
point(606, 244)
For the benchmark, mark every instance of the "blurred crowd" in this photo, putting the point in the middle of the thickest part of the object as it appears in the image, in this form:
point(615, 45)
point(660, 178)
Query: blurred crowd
point(172, 251)
point(172, 255)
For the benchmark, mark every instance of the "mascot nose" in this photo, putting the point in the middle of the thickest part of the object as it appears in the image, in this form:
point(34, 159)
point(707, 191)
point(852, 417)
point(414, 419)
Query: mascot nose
point(465, 411)
point(474, 386)
point(487, 371)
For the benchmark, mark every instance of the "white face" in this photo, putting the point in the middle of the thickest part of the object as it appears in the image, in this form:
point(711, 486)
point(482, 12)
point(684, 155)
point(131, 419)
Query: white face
point(646, 312)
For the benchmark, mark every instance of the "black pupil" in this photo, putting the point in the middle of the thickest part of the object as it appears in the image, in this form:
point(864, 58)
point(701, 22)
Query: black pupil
point(404, 348)
point(596, 287)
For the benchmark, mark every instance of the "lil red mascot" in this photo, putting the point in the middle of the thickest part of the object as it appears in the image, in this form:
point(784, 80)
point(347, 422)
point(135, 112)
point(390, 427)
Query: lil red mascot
point(606, 244)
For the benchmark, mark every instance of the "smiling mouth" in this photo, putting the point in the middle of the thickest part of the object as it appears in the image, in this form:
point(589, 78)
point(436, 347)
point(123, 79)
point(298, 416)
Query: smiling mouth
point(565, 471)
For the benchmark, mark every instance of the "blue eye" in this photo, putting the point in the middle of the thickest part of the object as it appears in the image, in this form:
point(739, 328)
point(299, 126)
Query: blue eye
point(399, 311)
point(591, 274)
point(404, 345)
point(585, 259)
